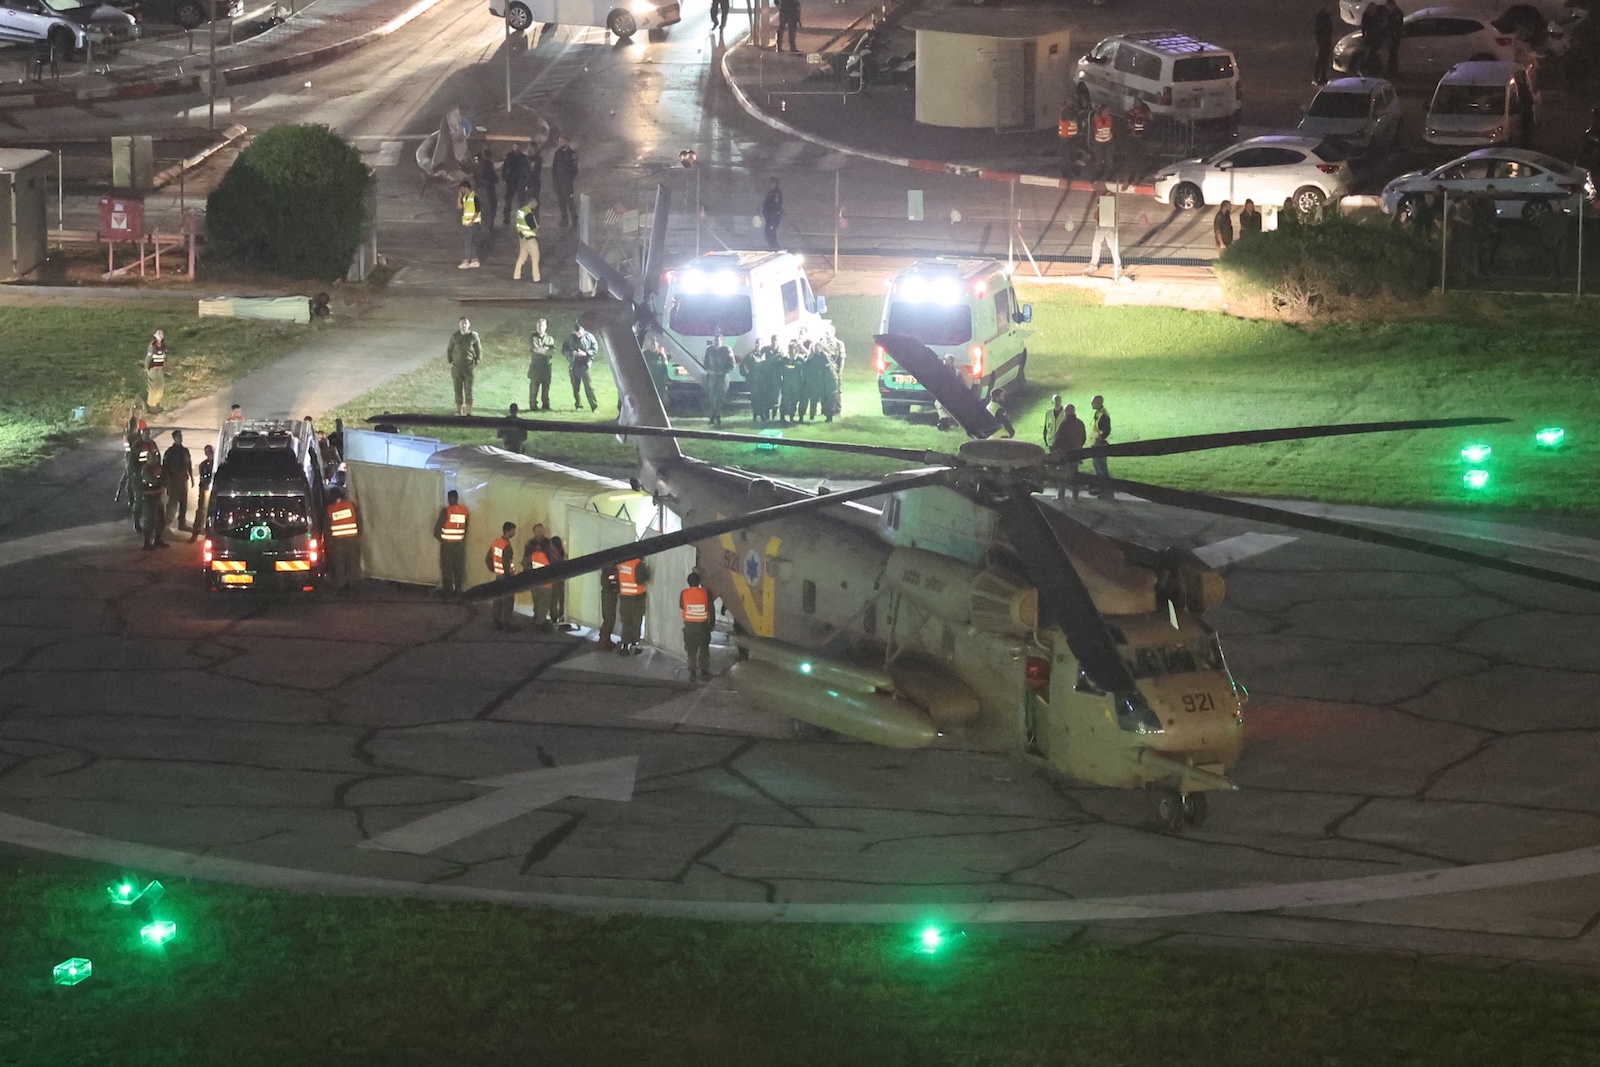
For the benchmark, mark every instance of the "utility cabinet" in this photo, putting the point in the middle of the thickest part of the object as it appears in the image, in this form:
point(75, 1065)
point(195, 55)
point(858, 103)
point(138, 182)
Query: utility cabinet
point(24, 182)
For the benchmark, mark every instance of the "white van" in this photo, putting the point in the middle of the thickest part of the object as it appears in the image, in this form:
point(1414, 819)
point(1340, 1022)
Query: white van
point(1175, 74)
point(1482, 104)
point(623, 18)
point(962, 308)
point(747, 297)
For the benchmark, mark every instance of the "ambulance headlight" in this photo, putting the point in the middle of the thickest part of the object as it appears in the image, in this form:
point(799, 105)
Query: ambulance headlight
point(946, 291)
point(726, 282)
point(694, 281)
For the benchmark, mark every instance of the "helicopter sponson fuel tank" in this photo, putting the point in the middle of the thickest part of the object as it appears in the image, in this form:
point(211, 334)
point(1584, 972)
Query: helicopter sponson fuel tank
point(868, 714)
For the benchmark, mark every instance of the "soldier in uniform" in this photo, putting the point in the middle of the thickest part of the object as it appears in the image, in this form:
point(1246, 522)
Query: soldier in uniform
point(179, 470)
point(580, 349)
point(1070, 434)
point(155, 371)
point(463, 353)
point(633, 586)
point(145, 451)
point(1100, 433)
point(695, 604)
point(792, 402)
point(527, 241)
point(609, 592)
point(152, 484)
point(754, 368)
point(512, 438)
point(202, 488)
point(655, 357)
point(821, 383)
point(541, 346)
point(719, 364)
point(344, 542)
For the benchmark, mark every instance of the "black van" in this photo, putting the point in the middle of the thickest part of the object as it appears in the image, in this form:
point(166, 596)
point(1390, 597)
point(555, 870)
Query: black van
point(266, 517)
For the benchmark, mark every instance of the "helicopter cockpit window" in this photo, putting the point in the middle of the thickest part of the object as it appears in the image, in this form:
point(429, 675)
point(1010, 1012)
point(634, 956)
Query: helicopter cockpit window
point(1155, 661)
point(808, 597)
point(1084, 685)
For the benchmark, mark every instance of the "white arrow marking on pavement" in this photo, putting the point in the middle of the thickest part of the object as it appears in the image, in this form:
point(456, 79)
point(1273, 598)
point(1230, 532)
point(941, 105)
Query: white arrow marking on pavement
point(1233, 549)
point(514, 794)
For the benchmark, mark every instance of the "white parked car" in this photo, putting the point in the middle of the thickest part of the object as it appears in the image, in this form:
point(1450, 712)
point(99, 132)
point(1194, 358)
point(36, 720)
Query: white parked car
point(1527, 18)
point(69, 25)
point(1539, 181)
point(1432, 41)
point(1360, 114)
point(623, 18)
point(1268, 170)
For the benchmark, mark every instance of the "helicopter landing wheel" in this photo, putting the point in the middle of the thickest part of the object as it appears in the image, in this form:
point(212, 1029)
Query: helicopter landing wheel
point(1169, 809)
point(1195, 808)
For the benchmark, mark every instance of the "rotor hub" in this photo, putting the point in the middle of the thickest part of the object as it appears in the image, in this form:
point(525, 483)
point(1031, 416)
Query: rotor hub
point(1002, 453)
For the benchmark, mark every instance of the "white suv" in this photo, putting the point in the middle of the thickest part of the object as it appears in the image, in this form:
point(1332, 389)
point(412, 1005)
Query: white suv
point(1176, 75)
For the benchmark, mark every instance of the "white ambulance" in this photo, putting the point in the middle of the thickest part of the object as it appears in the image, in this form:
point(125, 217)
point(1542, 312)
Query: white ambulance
point(965, 309)
point(748, 298)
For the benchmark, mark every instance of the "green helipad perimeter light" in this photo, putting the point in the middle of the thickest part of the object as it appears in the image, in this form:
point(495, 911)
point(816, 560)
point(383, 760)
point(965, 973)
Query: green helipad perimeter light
point(768, 446)
point(1475, 479)
point(129, 894)
point(1476, 453)
point(930, 940)
point(123, 892)
point(1550, 437)
point(71, 972)
point(158, 933)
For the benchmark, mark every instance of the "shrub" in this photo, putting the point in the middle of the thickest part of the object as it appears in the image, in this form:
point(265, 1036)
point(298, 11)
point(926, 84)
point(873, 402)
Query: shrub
point(1305, 268)
point(294, 203)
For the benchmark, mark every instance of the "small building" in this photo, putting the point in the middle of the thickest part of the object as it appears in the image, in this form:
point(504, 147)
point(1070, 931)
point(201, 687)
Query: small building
point(24, 185)
point(1000, 70)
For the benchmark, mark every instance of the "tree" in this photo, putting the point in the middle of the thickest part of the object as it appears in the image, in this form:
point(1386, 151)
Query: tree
point(294, 202)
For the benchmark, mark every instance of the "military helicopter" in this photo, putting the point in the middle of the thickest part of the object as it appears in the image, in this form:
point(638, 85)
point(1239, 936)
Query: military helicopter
point(964, 606)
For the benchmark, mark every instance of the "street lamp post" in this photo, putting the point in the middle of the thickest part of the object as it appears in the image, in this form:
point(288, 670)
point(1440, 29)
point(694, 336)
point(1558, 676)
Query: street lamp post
point(211, 73)
point(508, 56)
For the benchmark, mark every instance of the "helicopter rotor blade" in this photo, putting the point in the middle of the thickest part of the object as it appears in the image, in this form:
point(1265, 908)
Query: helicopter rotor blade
point(495, 422)
point(689, 535)
point(1171, 446)
point(1239, 509)
point(948, 385)
point(650, 280)
point(1063, 598)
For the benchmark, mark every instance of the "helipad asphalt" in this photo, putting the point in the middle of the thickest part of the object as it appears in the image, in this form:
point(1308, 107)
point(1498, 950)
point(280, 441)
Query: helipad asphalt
point(1418, 776)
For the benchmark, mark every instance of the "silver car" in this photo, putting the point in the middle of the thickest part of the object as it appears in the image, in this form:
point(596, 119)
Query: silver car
point(68, 25)
point(1361, 114)
point(1534, 182)
point(1268, 170)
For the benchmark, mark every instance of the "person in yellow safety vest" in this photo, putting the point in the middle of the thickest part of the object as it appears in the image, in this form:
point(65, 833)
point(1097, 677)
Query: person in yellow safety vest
point(695, 601)
point(344, 542)
point(155, 371)
point(527, 241)
point(536, 555)
point(633, 582)
point(501, 561)
point(471, 225)
point(450, 530)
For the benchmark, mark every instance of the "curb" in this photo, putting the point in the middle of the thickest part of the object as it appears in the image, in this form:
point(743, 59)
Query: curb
point(230, 135)
point(929, 166)
point(184, 83)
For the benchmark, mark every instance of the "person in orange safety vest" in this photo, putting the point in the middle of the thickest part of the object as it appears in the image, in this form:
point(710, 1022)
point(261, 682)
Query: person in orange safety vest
point(695, 601)
point(450, 530)
point(344, 542)
point(536, 554)
point(633, 583)
point(501, 560)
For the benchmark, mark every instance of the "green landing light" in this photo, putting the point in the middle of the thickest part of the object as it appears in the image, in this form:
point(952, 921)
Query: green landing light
point(1475, 479)
point(71, 972)
point(1550, 437)
point(158, 933)
point(768, 445)
point(930, 940)
point(805, 668)
point(122, 893)
point(1476, 453)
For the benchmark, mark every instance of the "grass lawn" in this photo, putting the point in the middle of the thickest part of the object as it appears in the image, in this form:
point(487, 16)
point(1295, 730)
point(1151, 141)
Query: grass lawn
point(1166, 372)
point(58, 358)
point(266, 978)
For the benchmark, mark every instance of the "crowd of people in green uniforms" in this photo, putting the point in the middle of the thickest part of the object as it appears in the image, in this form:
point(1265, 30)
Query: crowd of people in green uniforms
point(795, 383)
